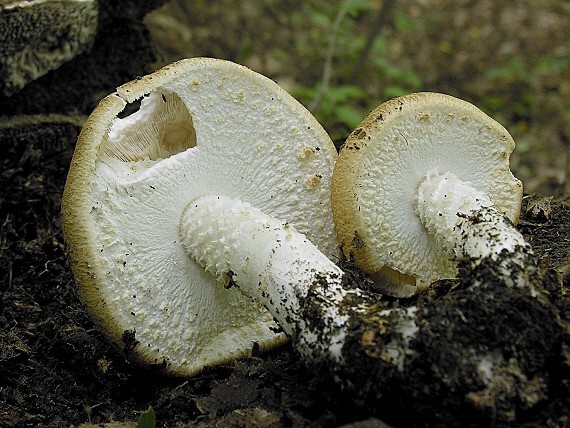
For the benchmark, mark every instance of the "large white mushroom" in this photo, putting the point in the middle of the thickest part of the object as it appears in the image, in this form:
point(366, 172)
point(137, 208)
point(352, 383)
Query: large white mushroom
point(423, 182)
point(220, 178)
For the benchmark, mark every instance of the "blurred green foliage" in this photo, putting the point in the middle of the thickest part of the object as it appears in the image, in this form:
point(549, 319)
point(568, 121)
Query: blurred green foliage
point(343, 100)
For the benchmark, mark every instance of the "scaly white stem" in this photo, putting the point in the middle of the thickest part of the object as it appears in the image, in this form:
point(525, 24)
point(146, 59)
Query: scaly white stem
point(303, 290)
point(468, 225)
point(274, 264)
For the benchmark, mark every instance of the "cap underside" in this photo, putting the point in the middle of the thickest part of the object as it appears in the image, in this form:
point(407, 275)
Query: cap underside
point(204, 127)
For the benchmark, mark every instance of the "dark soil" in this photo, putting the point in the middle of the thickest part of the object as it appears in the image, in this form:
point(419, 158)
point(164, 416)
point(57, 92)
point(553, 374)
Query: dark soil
point(57, 369)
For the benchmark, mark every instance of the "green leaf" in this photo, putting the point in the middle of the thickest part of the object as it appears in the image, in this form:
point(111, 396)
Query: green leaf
point(349, 116)
point(394, 91)
point(403, 22)
point(147, 419)
point(343, 93)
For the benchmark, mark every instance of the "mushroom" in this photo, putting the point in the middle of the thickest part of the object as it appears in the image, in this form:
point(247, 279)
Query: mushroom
point(219, 178)
point(423, 182)
point(40, 35)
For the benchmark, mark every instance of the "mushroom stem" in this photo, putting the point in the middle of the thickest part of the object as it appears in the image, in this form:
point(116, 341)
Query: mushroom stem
point(273, 264)
point(311, 298)
point(306, 293)
point(467, 224)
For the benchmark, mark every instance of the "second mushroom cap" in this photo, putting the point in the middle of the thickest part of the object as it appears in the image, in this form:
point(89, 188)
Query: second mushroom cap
point(379, 171)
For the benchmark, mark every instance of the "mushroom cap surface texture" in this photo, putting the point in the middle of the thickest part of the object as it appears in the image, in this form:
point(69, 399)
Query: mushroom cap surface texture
point(37, 36)
point(381, 166)
point(204, 127)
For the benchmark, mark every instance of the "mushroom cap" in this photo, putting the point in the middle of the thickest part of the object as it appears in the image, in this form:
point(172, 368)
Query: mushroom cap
point(381, 165)
point(204, 127)
point(40, 35)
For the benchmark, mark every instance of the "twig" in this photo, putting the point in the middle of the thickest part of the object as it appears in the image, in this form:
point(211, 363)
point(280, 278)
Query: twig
point(384, 14)
point(331, 48)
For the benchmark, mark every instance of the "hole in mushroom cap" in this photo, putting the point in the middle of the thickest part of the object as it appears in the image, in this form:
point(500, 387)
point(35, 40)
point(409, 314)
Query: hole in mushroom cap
point(161, 127)
point(130, 108)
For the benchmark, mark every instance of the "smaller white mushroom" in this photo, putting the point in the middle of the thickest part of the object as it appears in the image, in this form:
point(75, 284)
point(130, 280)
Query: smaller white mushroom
point(423, 182)
point(37, 36)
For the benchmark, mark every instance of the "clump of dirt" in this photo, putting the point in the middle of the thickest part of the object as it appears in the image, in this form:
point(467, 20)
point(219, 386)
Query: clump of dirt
point(487, 355)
